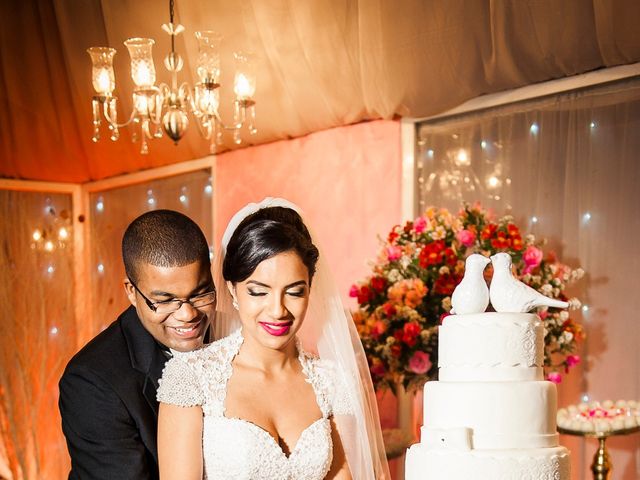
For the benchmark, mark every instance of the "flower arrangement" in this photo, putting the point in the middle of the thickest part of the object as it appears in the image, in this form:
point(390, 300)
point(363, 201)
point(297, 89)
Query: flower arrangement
point(409, 292)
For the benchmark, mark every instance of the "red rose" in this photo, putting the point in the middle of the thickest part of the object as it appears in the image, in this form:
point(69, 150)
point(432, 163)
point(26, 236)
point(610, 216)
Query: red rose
point(446, 284)
point(393, 235)
point(378, 284)
point(410, 331)
point(431, 253)
point(516, 242)
point(512, 230)
point(389, 309)
point(364, 295)
point(450, 256)
point(396, 350)
point(488, 231)
point(501, 241)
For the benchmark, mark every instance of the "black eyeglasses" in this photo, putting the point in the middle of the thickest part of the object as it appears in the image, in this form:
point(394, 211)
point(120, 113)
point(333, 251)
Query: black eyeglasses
point(173, 305)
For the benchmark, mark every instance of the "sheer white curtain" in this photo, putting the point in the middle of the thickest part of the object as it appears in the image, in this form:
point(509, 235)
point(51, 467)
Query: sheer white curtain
point(567, 167)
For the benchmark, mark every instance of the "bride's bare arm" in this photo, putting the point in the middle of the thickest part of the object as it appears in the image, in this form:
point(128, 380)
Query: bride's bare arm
point(180, 442)
point(339, 467)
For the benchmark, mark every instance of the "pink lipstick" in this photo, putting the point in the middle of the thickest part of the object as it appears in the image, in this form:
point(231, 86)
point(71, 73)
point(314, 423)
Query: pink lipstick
point(276, 329)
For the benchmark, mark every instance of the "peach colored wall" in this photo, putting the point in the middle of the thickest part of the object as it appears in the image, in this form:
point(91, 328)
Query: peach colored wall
point(347, 181)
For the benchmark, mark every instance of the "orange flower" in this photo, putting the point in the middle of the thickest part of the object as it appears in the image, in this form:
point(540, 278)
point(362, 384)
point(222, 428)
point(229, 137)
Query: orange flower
point(396, 292)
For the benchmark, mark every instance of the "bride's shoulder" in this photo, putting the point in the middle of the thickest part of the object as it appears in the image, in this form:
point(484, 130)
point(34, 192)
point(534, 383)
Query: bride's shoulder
point(218, 352)
point(329, 383)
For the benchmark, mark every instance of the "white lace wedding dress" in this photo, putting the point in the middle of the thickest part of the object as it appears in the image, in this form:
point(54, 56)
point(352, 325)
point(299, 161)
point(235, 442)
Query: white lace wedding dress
point(237, 449)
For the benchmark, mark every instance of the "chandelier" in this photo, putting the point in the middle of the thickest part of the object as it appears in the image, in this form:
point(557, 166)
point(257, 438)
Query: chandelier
point(166, 107)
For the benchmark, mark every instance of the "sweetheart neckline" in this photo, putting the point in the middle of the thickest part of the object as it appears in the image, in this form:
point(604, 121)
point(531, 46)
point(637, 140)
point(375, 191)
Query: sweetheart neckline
point(273, 440)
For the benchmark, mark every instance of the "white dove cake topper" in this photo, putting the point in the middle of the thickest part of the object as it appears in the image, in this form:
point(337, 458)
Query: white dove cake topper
point(506, 293)
point(472, 294)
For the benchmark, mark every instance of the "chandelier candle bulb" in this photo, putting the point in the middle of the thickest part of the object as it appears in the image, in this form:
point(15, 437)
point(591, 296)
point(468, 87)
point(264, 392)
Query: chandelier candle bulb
point(143, 72)
point(102, 75)
point(242, 87)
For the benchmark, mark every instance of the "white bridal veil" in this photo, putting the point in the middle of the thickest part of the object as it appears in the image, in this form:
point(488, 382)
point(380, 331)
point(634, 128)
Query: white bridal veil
point(329, 331)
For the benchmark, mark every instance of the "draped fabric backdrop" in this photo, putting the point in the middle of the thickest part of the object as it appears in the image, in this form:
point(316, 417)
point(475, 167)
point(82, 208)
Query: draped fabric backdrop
point(570, 161)
point(322, 64)
point(37, 336)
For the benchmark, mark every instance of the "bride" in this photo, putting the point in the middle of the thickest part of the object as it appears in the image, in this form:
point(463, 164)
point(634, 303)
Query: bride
point(285, 392)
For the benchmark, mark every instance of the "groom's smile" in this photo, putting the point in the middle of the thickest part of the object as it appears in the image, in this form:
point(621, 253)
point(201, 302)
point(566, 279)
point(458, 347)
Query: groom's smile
point(164, 298)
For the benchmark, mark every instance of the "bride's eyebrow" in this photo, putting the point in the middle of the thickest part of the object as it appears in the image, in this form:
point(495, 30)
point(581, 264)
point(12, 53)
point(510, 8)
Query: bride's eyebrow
point(260, 284)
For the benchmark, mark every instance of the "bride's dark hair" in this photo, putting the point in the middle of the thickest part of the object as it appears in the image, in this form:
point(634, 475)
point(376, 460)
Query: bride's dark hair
point(265, 234)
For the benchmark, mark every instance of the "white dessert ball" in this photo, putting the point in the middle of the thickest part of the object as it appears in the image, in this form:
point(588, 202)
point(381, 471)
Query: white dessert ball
point(621, 403)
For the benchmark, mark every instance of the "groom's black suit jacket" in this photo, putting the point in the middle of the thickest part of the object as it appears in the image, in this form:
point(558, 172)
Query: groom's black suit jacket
point(108, 403)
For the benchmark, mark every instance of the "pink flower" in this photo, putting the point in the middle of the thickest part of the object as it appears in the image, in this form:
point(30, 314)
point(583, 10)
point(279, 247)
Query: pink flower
point(420, 363)
point(419, 225)
point(573, 360)
point(554, 377)
point(532, 257)
point(353, 291)
point(394, 253)
point(466, 237)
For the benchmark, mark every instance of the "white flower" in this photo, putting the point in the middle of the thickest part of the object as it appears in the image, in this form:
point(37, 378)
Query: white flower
point(564, 315)
point(444, 270)
point(546, 289)
point(446, 304)
point(568, 336)
point(405, 261)
point(395, 276)
point(439, 233)
point(574, 303)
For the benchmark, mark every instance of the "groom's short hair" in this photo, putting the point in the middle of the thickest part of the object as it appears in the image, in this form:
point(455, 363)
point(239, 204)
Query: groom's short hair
point(164, 238)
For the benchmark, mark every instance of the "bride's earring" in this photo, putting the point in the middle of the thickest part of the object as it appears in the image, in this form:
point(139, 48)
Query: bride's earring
point(235, 304)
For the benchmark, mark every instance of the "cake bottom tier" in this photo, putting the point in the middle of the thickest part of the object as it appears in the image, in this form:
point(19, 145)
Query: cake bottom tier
point(531, 464)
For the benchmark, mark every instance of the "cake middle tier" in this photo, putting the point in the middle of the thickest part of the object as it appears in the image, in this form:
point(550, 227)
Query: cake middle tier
point(491, 347)
point(500, 415)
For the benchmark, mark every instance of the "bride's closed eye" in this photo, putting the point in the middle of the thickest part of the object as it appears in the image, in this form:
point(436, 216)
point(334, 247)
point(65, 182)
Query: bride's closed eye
point(298, 292)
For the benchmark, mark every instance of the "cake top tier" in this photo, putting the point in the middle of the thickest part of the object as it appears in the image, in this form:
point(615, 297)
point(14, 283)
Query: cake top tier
point(491, 347)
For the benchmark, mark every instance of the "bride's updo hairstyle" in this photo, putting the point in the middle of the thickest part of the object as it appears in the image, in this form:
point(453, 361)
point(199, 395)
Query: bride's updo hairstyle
point(265, 234)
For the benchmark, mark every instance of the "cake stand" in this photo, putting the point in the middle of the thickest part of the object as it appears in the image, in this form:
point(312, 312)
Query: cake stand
point(601, 466)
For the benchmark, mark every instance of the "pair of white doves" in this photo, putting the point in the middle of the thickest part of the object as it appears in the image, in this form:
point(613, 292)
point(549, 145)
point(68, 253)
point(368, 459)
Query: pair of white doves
point(507, 293)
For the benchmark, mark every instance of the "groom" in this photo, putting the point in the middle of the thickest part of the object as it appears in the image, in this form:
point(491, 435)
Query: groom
point(108, 390)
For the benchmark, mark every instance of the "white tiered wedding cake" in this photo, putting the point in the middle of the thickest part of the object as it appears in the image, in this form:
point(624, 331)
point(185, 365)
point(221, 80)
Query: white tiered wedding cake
point(491, 416)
